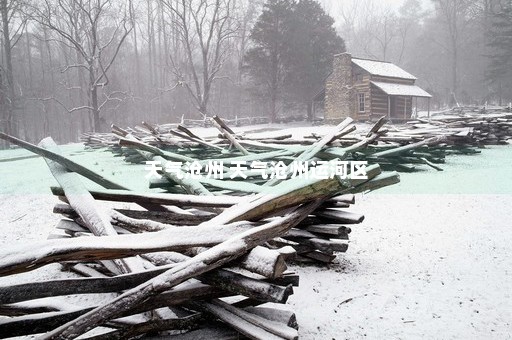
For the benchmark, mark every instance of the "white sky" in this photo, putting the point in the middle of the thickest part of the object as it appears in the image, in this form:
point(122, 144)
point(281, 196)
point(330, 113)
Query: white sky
point(391, 3)
point(334, 5)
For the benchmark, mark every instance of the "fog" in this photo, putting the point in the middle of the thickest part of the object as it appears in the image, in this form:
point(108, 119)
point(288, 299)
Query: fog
point(72, 66)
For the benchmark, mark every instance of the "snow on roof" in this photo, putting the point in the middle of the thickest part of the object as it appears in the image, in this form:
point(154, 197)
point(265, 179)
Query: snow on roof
point(401, 90)
point(382, 68)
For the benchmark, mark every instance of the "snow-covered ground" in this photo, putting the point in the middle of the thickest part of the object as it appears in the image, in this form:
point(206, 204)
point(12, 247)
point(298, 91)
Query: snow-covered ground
point(431, 260)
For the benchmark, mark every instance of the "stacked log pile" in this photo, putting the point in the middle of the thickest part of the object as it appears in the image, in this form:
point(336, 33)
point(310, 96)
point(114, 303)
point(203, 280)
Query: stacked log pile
point(402, 148)
point(180, 144)
point(199, 263)
point(486, 129)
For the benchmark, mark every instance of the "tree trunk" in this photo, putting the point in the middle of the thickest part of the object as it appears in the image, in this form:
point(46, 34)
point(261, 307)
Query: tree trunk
point(52, 109)
point(9, 77)
point(273, 102)
point(309, 106)
point(454, 69)
point(140, 83)
point(93, 96)
point(29, 60)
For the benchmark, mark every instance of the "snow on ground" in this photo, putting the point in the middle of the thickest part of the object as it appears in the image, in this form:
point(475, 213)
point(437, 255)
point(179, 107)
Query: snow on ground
point(431, 265)
point(431, 260)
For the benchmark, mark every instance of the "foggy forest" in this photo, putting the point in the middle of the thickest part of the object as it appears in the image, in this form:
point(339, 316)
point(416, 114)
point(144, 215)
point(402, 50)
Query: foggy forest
point(71, 66)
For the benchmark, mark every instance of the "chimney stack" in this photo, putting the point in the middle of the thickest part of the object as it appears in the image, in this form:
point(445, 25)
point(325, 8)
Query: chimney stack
point(339, 93)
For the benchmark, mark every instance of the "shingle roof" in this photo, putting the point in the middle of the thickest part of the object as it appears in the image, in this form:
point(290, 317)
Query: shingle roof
point(382, 68)
point(401, 90)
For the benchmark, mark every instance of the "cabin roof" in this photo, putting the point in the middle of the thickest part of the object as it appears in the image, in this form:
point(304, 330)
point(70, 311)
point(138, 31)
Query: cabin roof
point(382, 68)
point(393, 89)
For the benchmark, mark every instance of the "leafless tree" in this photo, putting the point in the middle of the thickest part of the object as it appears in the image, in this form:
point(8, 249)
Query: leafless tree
point(96, 30)
point(204, 28)
point(13, 24)
point(454, 17)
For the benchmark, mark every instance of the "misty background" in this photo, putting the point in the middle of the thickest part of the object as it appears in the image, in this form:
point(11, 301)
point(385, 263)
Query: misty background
point(71, 66)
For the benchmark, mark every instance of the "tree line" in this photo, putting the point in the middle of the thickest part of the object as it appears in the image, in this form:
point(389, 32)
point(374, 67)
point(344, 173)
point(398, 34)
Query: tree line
point(70, 66)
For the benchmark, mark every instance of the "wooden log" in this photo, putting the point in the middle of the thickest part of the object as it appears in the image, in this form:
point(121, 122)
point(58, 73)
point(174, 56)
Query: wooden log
point(315, 148)
point(96, 219)
point(254, 156)
point(19, 310)
point(376, 127)
point(378, 182)
point(72, 165)
point(64, 161)
point(21, 258)
point(232, 185)
point(429, 141)
point(340, 216)
point(132, 143)
point(32, 324)
point(310, 152)
point(84, 270)
point(287, 279)
point(298, 234)
point(220, 201)
point(160, 183)
point(291, 193)
point(332, 230)
point(190, 185)
point(251, 325)
point(319, 256)
point(155, 325)
point(188, 132)
point(346, 198)
point(260, 260)
point(194, 138)
point(278, 315)
point(342, 153)
point(328, 246)
point(244, 303)
point(36, 290)
point(229, 134)
point(157, 216)
point(206, 261)
point(267, 262)
point(208, 332)
point(243, 285)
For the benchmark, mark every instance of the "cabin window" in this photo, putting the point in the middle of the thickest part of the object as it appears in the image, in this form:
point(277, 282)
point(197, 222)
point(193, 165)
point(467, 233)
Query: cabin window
point(360, 100)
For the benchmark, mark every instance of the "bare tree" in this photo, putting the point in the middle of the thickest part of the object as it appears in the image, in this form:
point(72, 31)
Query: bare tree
point(454, 16)
point(13, 24)
point(384, 32)
point(96, 30)
point(408, 20)
point(349, 14)
point(204, 28)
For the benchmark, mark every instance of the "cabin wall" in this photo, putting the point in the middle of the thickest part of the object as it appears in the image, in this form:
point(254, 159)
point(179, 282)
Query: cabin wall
point(401, 107)
point(362, 86)
point(393, 80)
point(379, 102)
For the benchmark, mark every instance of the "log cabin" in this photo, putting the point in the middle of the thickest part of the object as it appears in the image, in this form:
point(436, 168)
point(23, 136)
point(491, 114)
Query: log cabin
point(365, 89)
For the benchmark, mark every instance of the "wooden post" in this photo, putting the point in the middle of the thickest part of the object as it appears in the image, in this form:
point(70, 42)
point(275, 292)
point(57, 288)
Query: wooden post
point(416, 108)
point(405, 108)
point(389, 107)
point(428, 108)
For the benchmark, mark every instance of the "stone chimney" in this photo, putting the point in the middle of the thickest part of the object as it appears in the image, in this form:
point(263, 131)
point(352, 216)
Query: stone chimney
point(339, 94)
